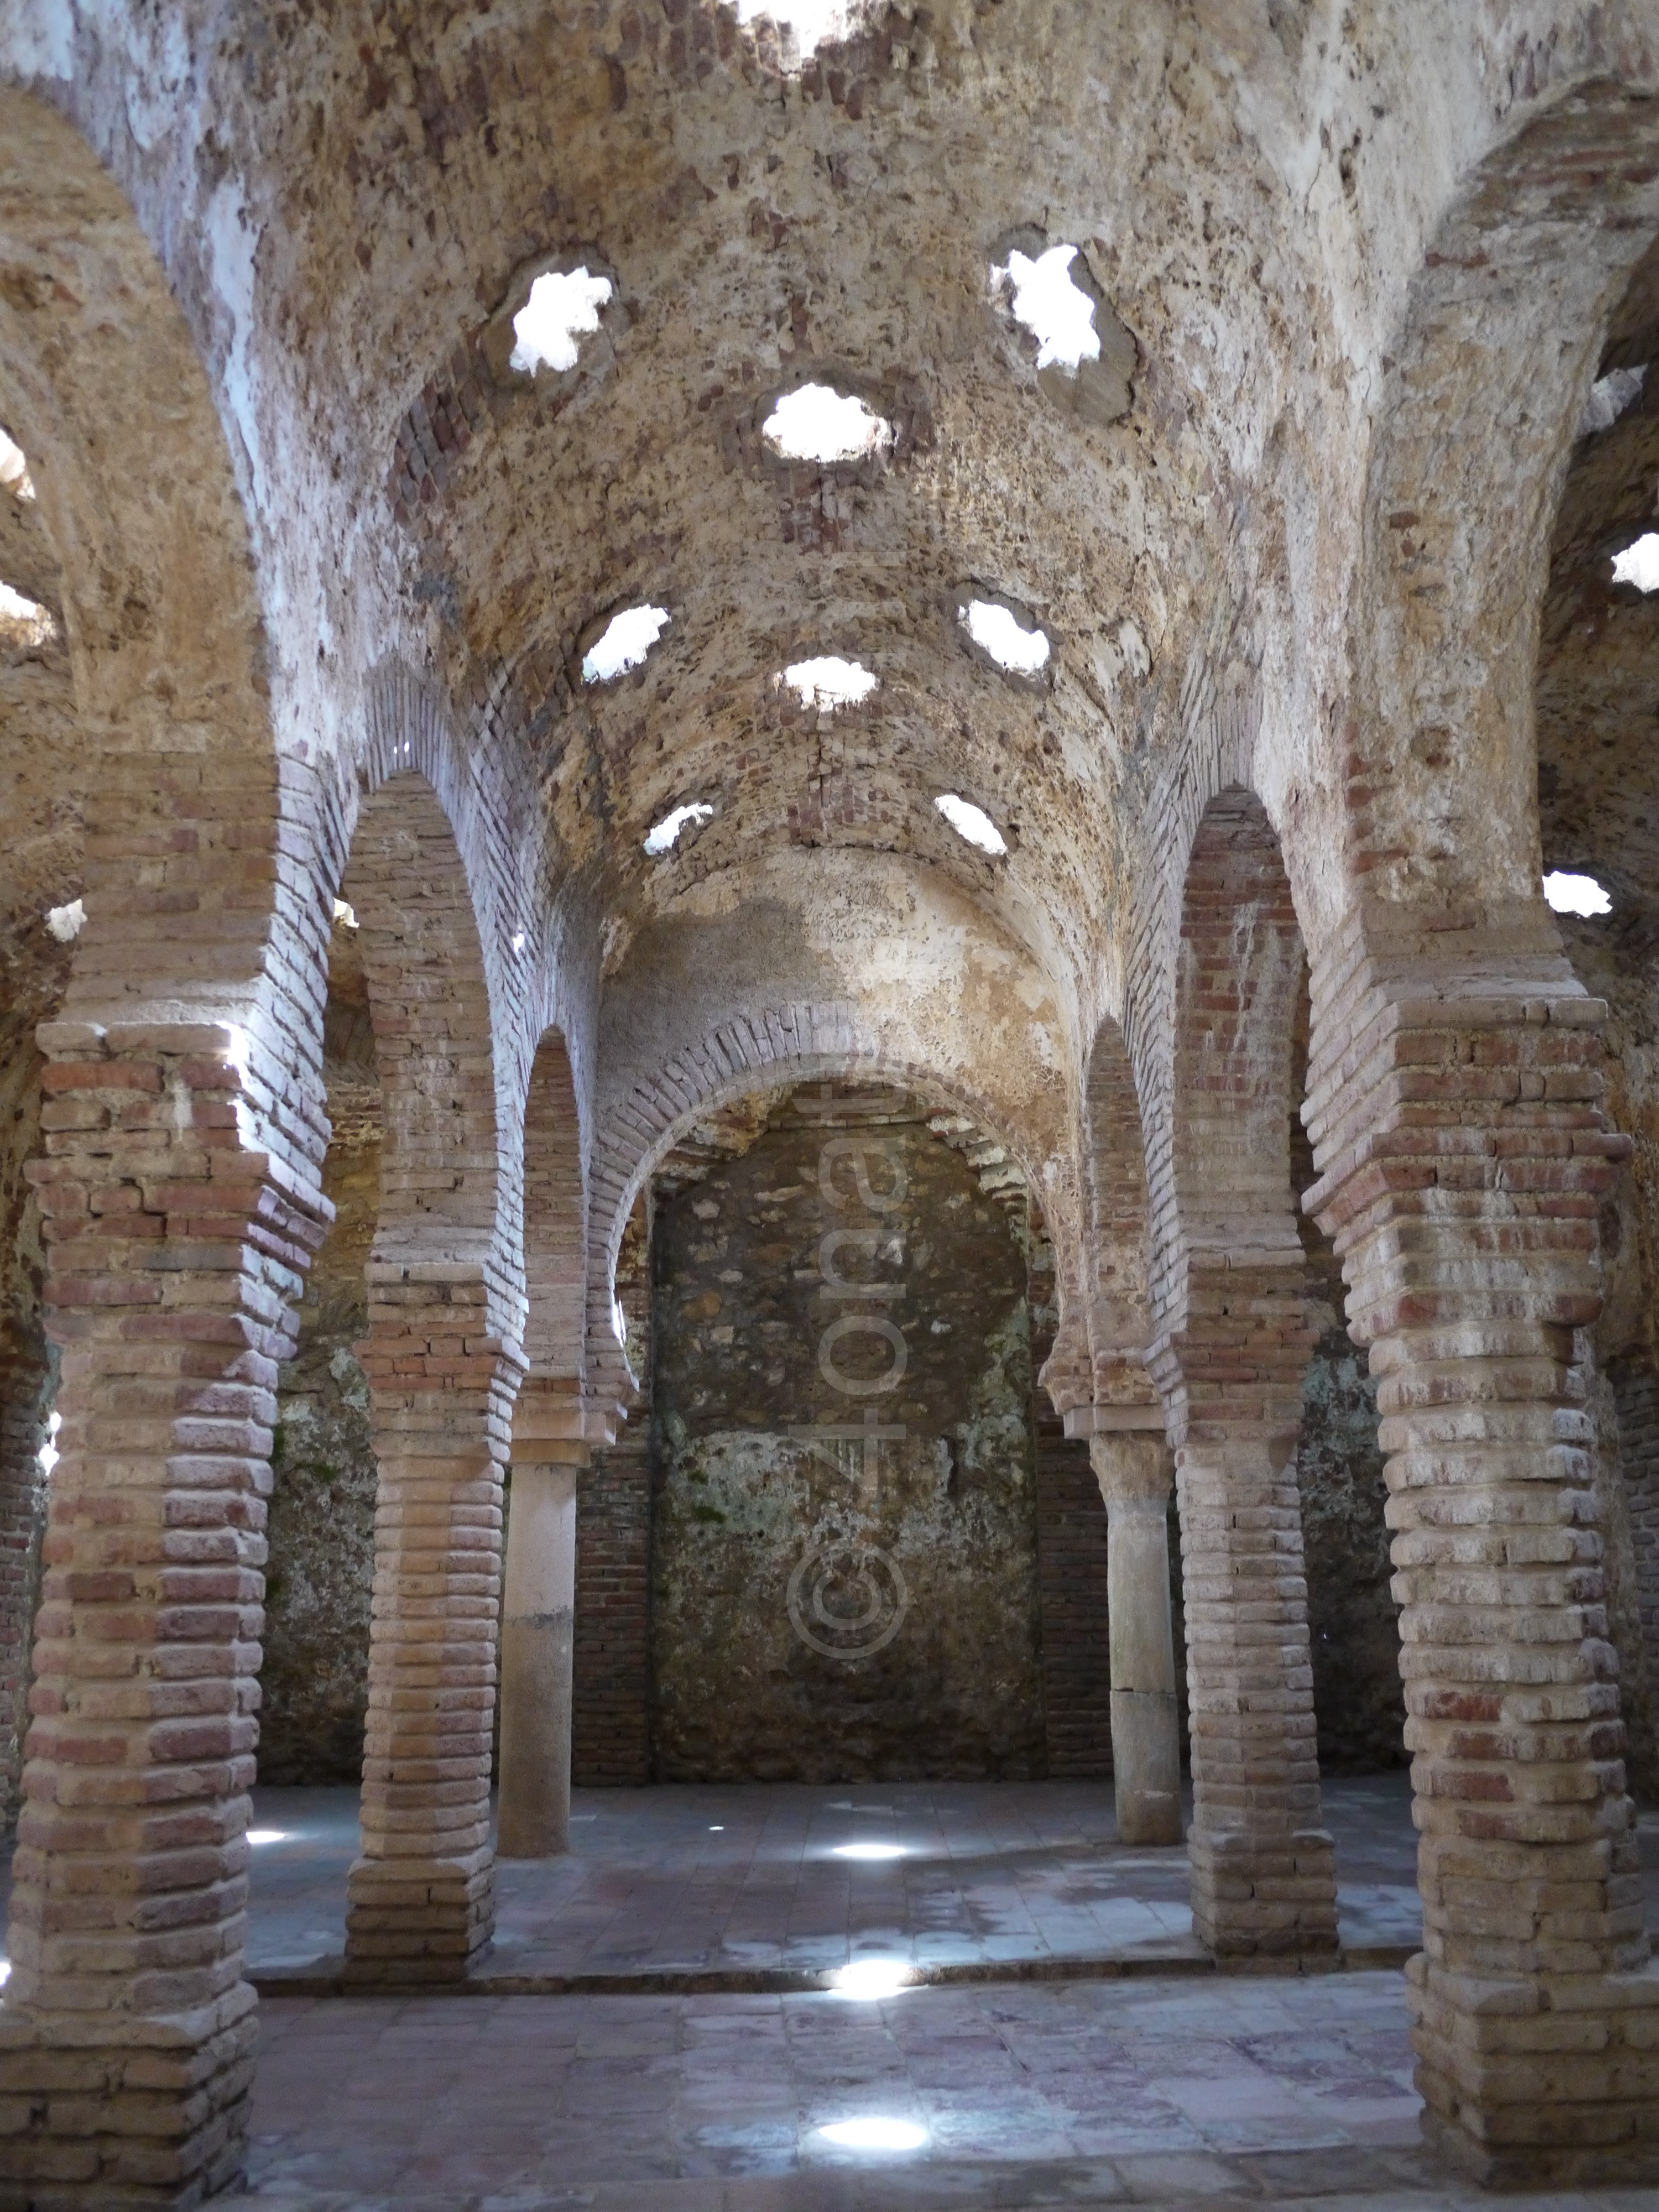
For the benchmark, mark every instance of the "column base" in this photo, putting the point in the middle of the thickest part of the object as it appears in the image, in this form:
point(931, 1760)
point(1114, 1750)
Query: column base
point(418, 1920)
point(1539, 2080)
point(1263, 1898)
point(100, 2114)
point(1146, 1767)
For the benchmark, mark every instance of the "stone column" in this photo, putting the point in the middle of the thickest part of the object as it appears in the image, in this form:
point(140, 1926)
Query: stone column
point(1456, 1118)
point(422, 1894)
point(549, 1449)
point(175, 1255)
point(1264, 1878)
point(1135, 1471)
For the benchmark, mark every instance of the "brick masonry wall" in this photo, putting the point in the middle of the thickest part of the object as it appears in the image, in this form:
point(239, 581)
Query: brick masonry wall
point(1077, 1673)
point(611, 1693)
point(610, 1727)
point(1071, 1518)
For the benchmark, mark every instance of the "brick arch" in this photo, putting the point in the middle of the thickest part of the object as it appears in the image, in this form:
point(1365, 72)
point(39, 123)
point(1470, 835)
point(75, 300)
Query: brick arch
point(785, 1045)
point(1240, 969)
point(465, 918)
point(1216, 754)
point(1231, 1349)
point(443, 1363)
point(1486, 379)
point(555, 1216)
point(1116, 1193)
point(186, 897)
point(430, 1007)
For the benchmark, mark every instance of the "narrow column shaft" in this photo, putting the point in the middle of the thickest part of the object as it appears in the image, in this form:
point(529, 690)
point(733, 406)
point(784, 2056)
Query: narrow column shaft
point(176, 1256)
point(422, 1895)
point(1135, 1472)
point(533, 1807)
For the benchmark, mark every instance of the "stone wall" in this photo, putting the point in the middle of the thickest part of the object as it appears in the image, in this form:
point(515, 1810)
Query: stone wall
point(825, 1608)
point(321, 1530)
point(1354, 1622)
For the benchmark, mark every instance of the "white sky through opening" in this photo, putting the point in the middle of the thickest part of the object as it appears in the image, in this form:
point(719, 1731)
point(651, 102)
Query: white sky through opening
point(813, 21)
point(25, 617)
point(562, 309)
point(972, 823)
point(1638, 564)
point(995, 631)
point(14, 468)
point(814, 422)
point(65, 923)
point(1570, 894)
point(1059, 316)
point(1609, 396)
point(664, 834)
point(830, 682)
point(627, 638)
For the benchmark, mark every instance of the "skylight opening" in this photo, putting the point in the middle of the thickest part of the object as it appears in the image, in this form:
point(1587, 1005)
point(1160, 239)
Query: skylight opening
point(65, 923)
point(26, 622)
point(562, 309)
point(48, 1455)
point(995, 629)
point(972, 823)
point(830, 682)
point(346, 913)
point(1570, 894)
point(627, 638)
point(1609, 396)
point(815, 423)
point(663, 835)
point(1638, 564)
point(814, 22)
point(873, 2132)
point(1045, 302)
point(15, 470)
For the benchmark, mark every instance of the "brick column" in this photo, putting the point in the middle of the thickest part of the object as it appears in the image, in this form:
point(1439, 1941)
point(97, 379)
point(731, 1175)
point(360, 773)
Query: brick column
point(1134, 1467)
point(1456, 1117)
point(1264, 1883)
point(422, 1895)
point(549, 1450)
point(175, 1254)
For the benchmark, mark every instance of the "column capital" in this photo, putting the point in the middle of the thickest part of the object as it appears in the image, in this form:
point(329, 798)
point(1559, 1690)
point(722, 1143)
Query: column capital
point(1133, 1466)
point(553, 1422)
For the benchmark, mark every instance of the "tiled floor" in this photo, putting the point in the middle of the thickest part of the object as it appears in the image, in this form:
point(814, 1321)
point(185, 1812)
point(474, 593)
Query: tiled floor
point(743, 1881)
point(1232, 2091)
point(495, 2097)
point(1165, 2087)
